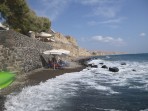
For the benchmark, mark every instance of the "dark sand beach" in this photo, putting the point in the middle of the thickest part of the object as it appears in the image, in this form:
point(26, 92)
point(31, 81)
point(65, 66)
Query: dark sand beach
point(45, 74)
point(41, 76)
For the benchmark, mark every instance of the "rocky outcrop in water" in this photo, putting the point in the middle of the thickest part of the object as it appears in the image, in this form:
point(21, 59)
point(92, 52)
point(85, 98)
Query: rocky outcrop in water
point(104, 66)
point(113, 69)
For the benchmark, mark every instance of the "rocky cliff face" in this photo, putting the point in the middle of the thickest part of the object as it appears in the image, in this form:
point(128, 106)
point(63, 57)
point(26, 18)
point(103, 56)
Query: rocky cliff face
point(68, 43)
point(71, 40)
point(101, 53)
point(65, 39)
point(21, 54)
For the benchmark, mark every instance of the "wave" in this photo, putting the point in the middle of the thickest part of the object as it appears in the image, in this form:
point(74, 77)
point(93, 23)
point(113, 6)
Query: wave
point(53, 93)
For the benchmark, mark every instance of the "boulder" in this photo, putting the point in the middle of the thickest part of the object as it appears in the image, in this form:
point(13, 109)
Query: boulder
point(113, 69)
point(94, 66)
point(104, 66)
point(101, 63)
point(123, 63)
point(134, 70)
point(89, 65)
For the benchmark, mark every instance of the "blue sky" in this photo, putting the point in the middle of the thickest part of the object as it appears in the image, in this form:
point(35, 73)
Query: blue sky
point(110, 25)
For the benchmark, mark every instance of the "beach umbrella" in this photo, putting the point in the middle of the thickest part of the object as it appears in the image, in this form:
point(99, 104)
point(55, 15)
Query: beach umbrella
point(67, 52)
point(44, 34)
point(53, 52)
point(57, 52)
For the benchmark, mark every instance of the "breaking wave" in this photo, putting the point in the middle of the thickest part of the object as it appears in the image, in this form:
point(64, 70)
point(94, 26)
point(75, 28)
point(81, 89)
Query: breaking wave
point(92, 84)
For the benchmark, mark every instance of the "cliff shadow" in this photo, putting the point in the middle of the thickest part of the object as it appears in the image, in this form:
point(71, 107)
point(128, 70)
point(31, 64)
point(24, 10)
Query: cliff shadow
point(44, 62)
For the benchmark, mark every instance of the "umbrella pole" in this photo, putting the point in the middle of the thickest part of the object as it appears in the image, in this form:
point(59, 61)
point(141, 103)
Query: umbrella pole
point(54, 65)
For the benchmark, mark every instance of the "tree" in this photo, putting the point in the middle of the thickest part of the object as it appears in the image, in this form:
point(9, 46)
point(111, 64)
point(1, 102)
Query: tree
point(19, 17)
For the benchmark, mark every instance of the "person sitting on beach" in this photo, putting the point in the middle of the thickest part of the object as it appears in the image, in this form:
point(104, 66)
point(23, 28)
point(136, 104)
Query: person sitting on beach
point(54, 60)
point(50, 64)
point(55, 64)
point(61, 62)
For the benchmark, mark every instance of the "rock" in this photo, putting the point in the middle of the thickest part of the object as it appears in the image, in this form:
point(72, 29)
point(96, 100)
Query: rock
point(104, 66)
point(89, 65)
point(113, 69)
point(92, 65)
point(88, 68)
point(95, 66)
point(123, 63)
point(134, 70)
point(101, 63)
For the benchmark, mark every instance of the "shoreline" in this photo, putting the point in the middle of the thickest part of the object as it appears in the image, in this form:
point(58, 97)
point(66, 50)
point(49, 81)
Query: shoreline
point(34, 78)
point(45, 74)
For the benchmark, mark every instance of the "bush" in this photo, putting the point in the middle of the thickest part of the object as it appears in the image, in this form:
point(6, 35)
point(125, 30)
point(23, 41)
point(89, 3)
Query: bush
point(21, 18)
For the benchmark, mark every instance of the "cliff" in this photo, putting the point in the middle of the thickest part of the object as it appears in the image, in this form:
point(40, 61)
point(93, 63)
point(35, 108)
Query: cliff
point(101, 53)
point(68, 43)
point(21, 54)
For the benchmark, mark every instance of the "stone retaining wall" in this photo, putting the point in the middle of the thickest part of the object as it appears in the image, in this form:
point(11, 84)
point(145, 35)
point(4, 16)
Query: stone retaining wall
point(19, 53)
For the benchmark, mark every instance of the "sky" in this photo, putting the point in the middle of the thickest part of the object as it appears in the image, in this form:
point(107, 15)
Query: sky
point(109, 25)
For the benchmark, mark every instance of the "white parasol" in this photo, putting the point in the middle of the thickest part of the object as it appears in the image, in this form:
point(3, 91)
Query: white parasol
point(44, 34)
point(57, 52)
point(67, 52)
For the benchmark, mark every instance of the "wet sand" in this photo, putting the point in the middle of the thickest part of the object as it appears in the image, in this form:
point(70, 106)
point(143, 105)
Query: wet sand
point(41, 76)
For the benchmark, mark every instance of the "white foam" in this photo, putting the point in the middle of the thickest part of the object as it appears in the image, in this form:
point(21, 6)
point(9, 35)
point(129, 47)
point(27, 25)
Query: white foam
point(45, 96)
point(54, 92)
point(144, 110)
point(95, 61)
point(125, 74)
point(102, 109)
point(94, 85)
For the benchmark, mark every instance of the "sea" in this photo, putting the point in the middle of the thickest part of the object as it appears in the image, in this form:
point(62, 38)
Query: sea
point(92, 89)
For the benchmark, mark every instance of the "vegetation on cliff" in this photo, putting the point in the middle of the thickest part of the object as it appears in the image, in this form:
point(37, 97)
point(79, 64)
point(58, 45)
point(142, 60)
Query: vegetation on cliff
point(21, 18)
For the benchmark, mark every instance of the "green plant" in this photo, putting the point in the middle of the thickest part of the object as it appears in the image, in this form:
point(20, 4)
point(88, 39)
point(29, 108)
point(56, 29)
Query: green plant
point(21, 18)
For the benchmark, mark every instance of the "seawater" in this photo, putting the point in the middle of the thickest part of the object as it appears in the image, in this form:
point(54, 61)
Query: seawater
point(92, 89)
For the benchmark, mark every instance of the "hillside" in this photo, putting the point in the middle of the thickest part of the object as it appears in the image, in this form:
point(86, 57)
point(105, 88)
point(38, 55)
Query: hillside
point(21, 54)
